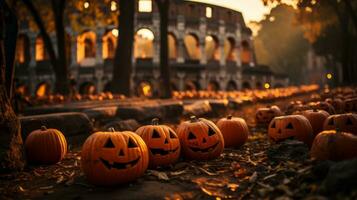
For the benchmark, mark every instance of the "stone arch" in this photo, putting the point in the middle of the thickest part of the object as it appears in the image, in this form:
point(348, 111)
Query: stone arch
point(43, 89)
point(246, 52)
point(87, 88)
point(246, 85)
point(231, 86)
point(213, 86)
point(22, 49)
point(192, 46)
point(109, 44)
point(144, 44)
point(192, 85)
point(212, 47)
point(40, 49)
point(230, 49)
point(86, 47)
point(172, 45)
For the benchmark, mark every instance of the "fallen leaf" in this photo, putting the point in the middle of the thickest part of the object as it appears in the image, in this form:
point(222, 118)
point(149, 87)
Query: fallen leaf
point(159, 175)
point(46, 187)
point(253, 178)
point(176, 173)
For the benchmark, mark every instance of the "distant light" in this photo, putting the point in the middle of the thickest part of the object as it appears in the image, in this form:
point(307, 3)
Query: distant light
point(266, 85)
point(86, 4)
point(272, 18)
point(329, 76)
point(115, 32)
point(209, 38)
point(208, 12)
point(145, 6)
point(146, 34)
point(113, 6)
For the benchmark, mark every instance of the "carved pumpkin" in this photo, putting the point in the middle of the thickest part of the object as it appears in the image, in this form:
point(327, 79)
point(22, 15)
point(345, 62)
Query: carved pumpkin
point(162, 142)
point(338, 104)
point(200, 139)
point(344, 122)
point(264, 116)
point(334, 145)
point(291, 126)
point(321, 105)
point(45, 146)
point(316, 119)
point(295, 106)
point(351, 105)
point(234, 130)
point(110, 158)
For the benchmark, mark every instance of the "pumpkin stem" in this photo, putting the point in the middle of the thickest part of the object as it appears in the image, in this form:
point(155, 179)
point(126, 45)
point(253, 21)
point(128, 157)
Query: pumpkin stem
point(155, 121)
point(229, 117)
point(111, 129)
point(193, 118)
point(43, 128)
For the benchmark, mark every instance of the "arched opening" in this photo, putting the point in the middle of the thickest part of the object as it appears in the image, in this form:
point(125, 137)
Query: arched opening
point(192, 86)
point(230, 49)
point(172, 46)
point(212, 48)
point(145, 89)
point(22, 49)
point(192, 47)
point(245, 53)
point(259, 85)
point(231, 86)
point(144, 44)
point(87, 88)
point(41, 53)
point(213, 86)
point(109, 44)
point(43, 89)
point(86, 48)
point(246, 85)
point(107, 87)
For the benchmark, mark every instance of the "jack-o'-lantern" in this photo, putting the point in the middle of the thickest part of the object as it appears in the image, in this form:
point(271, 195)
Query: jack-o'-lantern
point(110, 158)
point(351, 105)
point(295, 106)
point(200, 139)
point(316, 119)
point(234, 130)
point(263, 116)
point(162, 142)
point(321, 105)
point(344, 122)
point(45, 146)
point(338, 104)
point(291, 127)
point(334, 145)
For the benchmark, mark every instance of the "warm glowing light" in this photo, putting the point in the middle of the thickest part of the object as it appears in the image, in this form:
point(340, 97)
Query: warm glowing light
point(329, 76)
point(208, 12)
point(146, 89)
point(115, 32)
point(146, 34)
point(41, 90)
point(40, 49)
point(266, 85)
point(86, 4)
point(272, 18)
point(145, 6)
point(113, 6)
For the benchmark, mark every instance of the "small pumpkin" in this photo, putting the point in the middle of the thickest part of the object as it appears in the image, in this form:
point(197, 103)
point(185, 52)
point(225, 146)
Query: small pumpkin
point(291, 126)
point(316, 119)
point(200, 139)
point(351, 105)
point(334, 145)
point(263, 116)
point(344, 122)
point(321, 105)
point(338, 104)
point(162, 142)
point(234, 130)
point(110, 158)
point(45, 146)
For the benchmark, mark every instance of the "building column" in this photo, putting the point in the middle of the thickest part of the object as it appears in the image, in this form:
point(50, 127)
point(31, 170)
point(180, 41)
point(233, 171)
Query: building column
point(238, 47)
point(156, 30)
point(202, 40)
point(222, 32)
point(99, 45)
point(74, 64)
point(180, 39)
point(181, 76)
point(32, 63)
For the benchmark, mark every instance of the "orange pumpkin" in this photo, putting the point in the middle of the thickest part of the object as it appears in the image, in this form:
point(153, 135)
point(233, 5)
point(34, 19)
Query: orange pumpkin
point(45, 146)
point(264, 116)
point(200, 139)
point(351, 105)
point(110, 158)
point(291, 126)
point(234, 130)
point(162, 142)
point(321, 105)
point(338, 104)
point(344, 122)
point(316, 119)
point(334, 145)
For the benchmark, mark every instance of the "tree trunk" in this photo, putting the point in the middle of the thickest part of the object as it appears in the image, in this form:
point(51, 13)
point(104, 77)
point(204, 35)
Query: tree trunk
point(60, 70)
point(11, 145)
point(351, 12)
point(122, 64)
point(165, 75)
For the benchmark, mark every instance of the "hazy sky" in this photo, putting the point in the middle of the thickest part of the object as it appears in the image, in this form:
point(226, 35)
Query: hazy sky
point(253, 10)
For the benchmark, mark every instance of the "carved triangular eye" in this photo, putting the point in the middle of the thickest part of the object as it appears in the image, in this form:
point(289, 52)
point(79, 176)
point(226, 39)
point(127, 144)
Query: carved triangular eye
point(331, 122)
point(131, 143)
point(191, 136)
point(289, 126)
point(211, 131)
point(109, 144)
point(172, 135)
point(121, 152)
point(349, 121)
point(155, 134)
point(273, 125)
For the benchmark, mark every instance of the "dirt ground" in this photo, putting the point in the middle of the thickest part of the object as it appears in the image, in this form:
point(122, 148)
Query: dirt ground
point(257, 170)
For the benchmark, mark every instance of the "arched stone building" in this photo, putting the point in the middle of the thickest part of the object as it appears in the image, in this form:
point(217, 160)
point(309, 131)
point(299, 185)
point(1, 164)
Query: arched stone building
point(210, 47)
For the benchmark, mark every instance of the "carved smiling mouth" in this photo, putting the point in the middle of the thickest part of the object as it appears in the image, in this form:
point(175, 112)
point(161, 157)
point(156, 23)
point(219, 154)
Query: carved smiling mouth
point(205, 150)
point(161, 151)
point(118, 165)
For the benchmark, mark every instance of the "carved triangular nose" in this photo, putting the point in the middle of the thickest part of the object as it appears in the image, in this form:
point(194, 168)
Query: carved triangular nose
point(166, 141)
point(204, 140)
point(279, 131)
point(121, 152)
